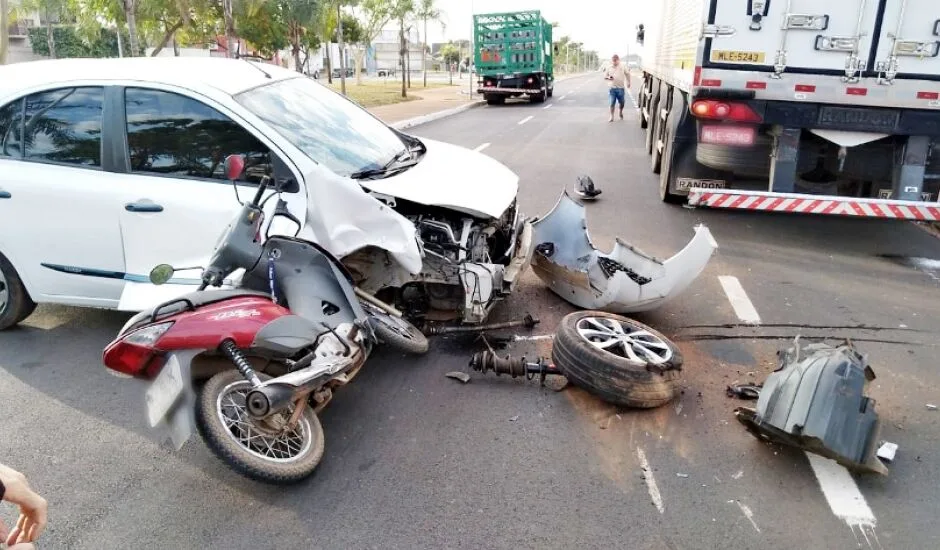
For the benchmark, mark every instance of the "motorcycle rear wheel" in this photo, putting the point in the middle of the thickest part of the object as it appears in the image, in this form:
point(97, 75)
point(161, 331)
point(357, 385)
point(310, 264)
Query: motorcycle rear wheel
point(263, 453)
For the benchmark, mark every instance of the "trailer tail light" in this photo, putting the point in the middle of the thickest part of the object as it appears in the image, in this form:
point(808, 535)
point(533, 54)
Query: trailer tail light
point(136, 352)
point(928, 95)
point(529, 80)
point(724, 110)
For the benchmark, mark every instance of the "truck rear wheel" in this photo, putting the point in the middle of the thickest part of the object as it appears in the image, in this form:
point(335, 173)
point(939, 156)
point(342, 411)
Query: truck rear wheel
point(537, 98)
point(493, 99)
point(651, 123)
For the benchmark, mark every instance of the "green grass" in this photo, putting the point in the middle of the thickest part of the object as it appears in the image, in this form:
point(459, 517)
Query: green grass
point(383, 92)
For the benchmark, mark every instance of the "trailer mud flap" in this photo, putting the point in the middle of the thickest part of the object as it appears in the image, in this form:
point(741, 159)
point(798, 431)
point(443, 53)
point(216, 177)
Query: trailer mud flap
point(626, 280)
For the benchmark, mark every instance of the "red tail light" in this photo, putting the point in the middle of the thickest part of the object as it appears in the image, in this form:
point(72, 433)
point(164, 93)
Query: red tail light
point(136, 353)
point(724, 110)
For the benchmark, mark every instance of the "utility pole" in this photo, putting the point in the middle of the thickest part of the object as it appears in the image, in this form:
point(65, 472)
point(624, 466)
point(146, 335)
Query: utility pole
point(471, 55)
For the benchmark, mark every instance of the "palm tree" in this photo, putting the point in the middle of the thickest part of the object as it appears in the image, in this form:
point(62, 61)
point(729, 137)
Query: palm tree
point(4, 30)
point(426, 10)
point(402, 11)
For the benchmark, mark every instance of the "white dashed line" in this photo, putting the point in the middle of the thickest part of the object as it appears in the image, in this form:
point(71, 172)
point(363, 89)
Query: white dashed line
point(547, 106)
point(481, 147)
point(650, 481)
point(844, 498)
point(562, 97)
point(742, 305)
point(748, 514)
point(526, 119)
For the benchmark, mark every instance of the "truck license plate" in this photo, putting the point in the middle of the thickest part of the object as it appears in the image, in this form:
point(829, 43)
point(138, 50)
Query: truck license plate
point(164, 391)
point(734, 56)
point(728, 135)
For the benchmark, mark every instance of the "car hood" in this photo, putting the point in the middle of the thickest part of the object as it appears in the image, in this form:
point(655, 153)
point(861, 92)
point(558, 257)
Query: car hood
point(453, 177)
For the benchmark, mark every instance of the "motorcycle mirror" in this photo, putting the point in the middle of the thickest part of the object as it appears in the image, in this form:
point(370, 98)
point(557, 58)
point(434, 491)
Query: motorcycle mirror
point(234, 166)
point(161, 274)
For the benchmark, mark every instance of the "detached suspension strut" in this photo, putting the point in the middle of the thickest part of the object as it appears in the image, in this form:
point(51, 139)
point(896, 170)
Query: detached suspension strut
point(486, 361)
point(231, 351)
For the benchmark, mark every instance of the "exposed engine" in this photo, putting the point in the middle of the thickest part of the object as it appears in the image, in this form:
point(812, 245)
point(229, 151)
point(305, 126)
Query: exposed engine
point(466, 259)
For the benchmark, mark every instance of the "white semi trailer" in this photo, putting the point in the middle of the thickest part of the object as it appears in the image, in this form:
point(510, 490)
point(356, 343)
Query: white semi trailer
point(809, 106)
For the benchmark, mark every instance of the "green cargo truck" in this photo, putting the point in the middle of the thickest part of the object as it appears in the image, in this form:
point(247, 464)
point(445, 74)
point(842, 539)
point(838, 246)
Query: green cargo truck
point(513, 56)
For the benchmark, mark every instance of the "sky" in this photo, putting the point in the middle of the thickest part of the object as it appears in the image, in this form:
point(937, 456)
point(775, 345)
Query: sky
point(603, 25)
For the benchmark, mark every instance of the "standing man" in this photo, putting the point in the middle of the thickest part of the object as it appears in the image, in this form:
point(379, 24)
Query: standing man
point(617, 75)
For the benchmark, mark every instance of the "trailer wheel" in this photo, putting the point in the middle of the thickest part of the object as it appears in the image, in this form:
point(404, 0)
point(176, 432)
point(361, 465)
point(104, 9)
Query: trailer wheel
point(642, 103)
point(651, 123)
point(551, 91)
point(667, 168)
point(656, 156)
point(537, 98)
point(742, 161)
point(617, 359)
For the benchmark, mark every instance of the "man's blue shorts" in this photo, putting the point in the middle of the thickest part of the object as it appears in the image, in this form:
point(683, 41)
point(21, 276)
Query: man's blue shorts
point(617, 96)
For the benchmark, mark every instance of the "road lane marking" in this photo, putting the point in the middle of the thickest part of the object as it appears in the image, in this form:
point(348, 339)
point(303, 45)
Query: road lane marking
point(547, 106)
point(562, 97)
point(650, 481)
point(481, 147)
point(742, 305)
point(526, 119)
point(748, 514)
point(844, 498)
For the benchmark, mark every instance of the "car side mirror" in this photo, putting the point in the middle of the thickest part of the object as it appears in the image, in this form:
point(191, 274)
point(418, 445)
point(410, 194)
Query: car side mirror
point(161, 274)
point(234, 166)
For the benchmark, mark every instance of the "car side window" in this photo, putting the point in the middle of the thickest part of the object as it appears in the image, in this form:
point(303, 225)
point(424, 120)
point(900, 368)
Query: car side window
point(174, 135)
point(64, 126)
point(11, 128)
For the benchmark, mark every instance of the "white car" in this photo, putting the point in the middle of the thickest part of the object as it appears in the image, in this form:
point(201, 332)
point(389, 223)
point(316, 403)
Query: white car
point(109, 167)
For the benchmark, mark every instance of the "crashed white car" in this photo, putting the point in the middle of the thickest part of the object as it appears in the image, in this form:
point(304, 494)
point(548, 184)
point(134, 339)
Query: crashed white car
point(109, 167)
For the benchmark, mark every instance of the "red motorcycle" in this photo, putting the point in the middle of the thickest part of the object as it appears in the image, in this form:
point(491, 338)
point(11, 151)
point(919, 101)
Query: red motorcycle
point(271, 352)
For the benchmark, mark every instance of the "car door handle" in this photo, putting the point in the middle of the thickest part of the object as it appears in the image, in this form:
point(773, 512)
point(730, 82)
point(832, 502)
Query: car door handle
point(143, 207)
point(5, 194)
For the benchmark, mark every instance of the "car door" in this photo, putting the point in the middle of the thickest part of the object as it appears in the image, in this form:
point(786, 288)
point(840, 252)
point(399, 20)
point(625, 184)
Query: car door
point(178, 201)
point(59, 225)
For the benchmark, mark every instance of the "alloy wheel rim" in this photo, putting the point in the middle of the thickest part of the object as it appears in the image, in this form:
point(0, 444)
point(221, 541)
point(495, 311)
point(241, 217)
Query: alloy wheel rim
point(624, 340)
point(4, 293)
point(284, 447)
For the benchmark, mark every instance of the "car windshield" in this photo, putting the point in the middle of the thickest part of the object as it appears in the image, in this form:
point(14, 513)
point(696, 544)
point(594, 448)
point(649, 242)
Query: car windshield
point(325, 125)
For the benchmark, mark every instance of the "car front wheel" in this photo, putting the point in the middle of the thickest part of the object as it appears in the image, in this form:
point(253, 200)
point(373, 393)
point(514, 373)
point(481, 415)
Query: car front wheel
point(15, 303)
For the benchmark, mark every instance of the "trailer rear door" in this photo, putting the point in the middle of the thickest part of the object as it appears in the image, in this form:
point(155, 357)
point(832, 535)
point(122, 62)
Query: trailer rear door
point(909, 42)
point(794, 36)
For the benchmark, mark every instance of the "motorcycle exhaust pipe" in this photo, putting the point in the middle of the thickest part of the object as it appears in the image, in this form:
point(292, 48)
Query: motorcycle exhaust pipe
point(278, 394)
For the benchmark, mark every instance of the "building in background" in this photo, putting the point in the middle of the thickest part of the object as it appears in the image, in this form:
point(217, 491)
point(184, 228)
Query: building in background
point(19, 47)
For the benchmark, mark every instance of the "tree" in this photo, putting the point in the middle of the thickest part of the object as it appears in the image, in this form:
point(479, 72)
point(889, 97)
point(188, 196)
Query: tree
point(426, 10)
point(402, 10)
point(52, 11)
point(264, 28)
point(299, 16)
point(373, 16)
point(4, 30)
point(130, 16)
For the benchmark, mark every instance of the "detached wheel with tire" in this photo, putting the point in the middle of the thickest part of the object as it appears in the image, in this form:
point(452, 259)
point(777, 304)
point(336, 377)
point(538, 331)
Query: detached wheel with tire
point(266, 450)
point(396, 332)
point(15, 303)
point(617, 359)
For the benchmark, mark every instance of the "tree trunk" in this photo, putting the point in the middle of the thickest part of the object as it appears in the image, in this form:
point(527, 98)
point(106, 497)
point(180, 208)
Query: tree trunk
point(329, 63)
point(176, 47)
point(342, 48)
point(401, 55)
point(424, 53)
point(130, 12)
point(408, 60)
point(50, 36)
point(360, 56)
point(169, 34)
point(4, 30)
point(227, 6)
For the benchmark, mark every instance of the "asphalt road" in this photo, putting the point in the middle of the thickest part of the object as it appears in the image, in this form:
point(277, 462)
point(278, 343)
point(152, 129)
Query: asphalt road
point(417, 460)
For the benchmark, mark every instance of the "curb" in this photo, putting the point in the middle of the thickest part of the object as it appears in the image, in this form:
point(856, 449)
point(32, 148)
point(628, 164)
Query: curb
point(431, 117)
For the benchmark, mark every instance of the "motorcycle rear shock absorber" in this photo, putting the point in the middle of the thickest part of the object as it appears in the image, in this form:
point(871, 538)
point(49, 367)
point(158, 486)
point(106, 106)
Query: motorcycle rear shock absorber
point(486, 361)
point(231, 351)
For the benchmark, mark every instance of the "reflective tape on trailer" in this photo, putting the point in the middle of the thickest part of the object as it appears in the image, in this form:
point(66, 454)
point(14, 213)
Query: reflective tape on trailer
point(810, 204)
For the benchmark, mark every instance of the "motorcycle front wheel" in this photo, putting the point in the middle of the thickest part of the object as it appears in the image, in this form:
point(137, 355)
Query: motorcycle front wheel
point(265, 450)
point(396, 332)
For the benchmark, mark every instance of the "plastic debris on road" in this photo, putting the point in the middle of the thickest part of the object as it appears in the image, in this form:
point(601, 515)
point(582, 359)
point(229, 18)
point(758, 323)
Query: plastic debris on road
point(457, 375)
point(626, 280)
point(815, 401)
point(887, 451)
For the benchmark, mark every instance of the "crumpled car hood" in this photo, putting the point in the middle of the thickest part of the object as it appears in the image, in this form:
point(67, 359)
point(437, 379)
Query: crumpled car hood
point(453, 177)
point(624, 281)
